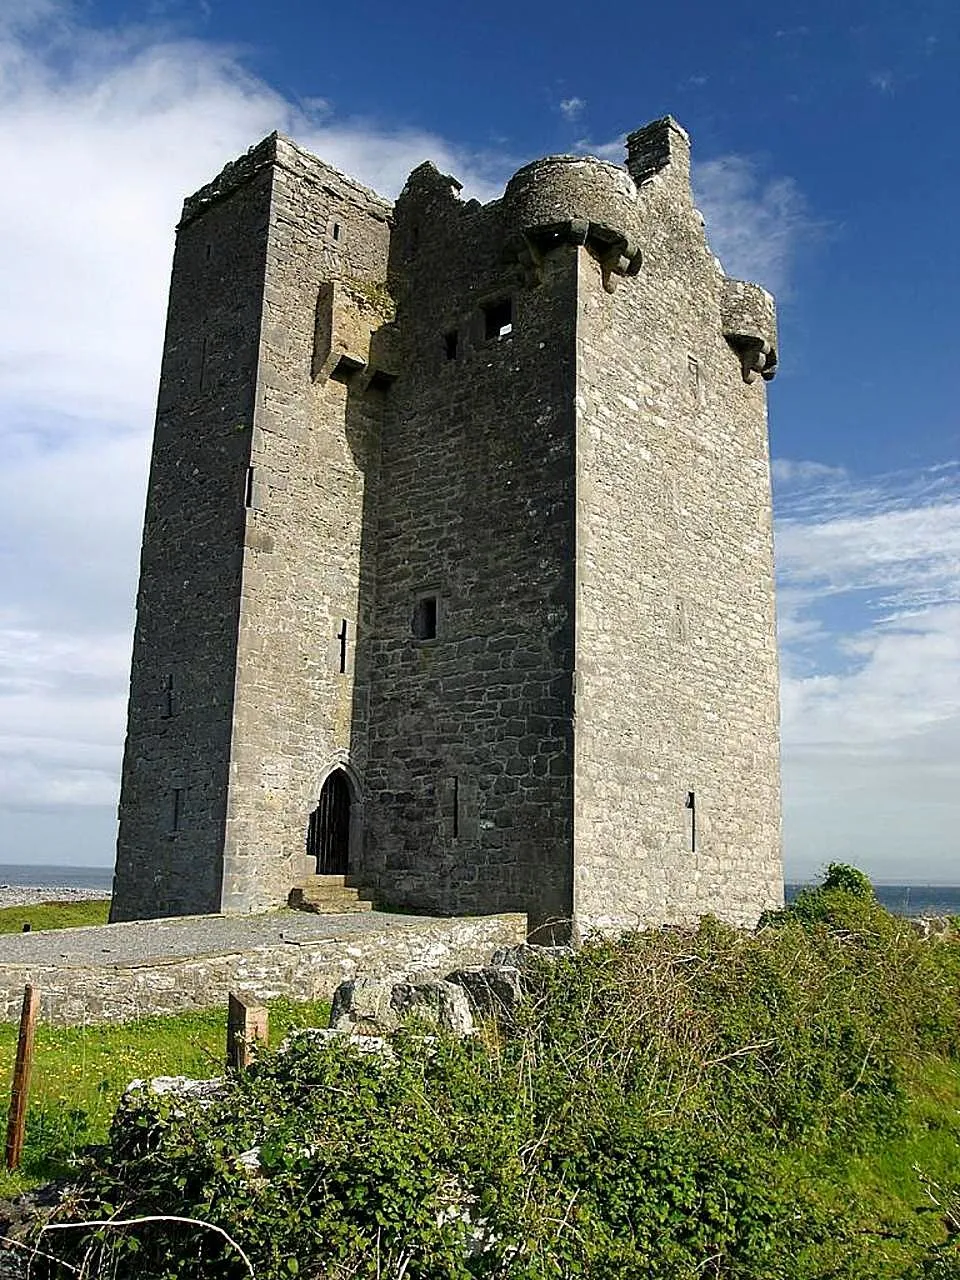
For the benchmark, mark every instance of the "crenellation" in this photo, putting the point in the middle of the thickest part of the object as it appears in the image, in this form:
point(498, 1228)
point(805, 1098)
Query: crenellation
point(459, 526)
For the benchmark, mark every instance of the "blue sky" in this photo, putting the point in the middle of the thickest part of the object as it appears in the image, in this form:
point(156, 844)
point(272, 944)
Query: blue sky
point(826, 165)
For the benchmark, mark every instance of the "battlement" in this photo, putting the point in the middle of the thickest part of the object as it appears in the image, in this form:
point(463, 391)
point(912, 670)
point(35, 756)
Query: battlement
point(656, 146)
point(280, 151)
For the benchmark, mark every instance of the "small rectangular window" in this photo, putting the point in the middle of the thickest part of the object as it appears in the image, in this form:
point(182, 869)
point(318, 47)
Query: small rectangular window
point(450, 344)
point(498, 318)
point(424, 622)
point(168, 698)
point(691, 806)
point(336, 231)
point(248, 492)
point(176, 809)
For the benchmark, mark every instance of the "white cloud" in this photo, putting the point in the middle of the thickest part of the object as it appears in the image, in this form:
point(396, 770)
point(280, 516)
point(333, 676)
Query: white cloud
point(791, 471)
point(102, 133)
point(572, 108)
point(755, 224)
point(869, 606)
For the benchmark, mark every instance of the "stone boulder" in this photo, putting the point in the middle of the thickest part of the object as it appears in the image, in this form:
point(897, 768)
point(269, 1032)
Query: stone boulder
point(330, 1037)
point(378, 1007)
point(527, 955)
point(928, 927)
point(494, 991)
point(442, 1004)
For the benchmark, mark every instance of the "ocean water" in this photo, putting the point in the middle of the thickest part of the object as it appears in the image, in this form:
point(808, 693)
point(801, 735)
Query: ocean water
point(41, 875)
point(908, 899)
point(904, 899)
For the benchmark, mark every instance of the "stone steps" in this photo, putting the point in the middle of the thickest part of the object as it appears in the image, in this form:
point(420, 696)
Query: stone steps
point(328, 896)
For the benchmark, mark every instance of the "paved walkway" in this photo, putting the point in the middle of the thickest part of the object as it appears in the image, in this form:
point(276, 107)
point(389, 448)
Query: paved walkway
point(155, 941)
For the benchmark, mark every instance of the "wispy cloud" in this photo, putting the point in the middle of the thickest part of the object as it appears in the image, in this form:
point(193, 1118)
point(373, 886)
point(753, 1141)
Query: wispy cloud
point(869, 606)
point(104, 132)
point(572, 108)
point(756, 224)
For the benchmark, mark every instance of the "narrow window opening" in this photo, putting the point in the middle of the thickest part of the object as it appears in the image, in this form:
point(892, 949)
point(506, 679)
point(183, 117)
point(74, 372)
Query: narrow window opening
point(248, 488)
point(342, 637)
point(498, 318)
point(696, 377)
point(208, 251)
point(176, 812)
point(450, 344)
point(424, 624)
point(691, 804)
point(203, 360)
point(680, 610)
point(456, 808)
point(168, 705)
point(336, 231)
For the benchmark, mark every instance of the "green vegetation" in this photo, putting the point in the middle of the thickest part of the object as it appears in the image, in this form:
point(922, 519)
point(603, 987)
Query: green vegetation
point(54, 915)
point(783, 1105)
point(80, 1073)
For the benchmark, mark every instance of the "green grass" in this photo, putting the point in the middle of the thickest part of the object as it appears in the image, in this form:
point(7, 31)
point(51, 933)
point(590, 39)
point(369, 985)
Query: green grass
point(54, 915)
point(79, 1074)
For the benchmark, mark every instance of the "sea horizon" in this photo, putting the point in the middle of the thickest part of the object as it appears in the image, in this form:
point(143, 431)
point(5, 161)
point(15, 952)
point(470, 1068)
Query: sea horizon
point(916, 898)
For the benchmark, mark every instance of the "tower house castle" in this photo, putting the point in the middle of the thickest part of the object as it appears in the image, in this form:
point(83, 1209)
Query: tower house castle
point(457, 561)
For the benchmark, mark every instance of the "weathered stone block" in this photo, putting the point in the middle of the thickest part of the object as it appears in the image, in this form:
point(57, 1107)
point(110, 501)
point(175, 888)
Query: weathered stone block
point(376, 1006)
point(494, 991)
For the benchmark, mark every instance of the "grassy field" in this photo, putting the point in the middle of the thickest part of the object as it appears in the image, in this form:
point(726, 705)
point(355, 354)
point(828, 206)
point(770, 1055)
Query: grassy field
point(80, 1072)
point(54, 915)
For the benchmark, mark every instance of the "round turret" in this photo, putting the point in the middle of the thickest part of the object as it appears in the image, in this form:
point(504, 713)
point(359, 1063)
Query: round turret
point(577, 198)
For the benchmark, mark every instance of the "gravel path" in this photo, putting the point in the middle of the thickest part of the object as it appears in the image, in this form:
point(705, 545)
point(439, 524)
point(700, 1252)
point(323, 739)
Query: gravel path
point(21, 895)
point(149, 941)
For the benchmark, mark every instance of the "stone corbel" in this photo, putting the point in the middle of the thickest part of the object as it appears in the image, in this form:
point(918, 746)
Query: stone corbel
point(615, 252)
point(750, 327)
point(756, 357)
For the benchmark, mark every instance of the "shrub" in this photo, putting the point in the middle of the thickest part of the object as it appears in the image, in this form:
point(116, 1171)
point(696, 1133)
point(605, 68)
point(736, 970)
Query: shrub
point(675, 1104)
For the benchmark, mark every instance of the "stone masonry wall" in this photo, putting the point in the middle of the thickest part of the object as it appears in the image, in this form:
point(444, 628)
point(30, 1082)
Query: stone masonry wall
point(578, 504)
point(676, 642)
point(173, 799)
point(396, 948)
point(315, 461)
point(469, 804)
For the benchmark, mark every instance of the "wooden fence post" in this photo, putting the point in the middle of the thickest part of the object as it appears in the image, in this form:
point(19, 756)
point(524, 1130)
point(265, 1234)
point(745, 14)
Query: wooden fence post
point(246, 1022)
point(17, 1120)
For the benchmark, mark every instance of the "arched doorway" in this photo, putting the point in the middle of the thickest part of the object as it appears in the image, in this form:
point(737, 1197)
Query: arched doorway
point(328, 835)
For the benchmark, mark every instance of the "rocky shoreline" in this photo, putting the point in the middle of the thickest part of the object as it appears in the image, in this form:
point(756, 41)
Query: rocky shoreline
point(24, 895)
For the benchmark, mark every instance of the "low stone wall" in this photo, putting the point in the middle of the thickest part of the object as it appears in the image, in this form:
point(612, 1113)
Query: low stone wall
point(73, 992)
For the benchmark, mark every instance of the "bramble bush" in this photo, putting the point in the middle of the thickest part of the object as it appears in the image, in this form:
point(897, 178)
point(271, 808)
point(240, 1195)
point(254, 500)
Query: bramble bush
point(676, 1104)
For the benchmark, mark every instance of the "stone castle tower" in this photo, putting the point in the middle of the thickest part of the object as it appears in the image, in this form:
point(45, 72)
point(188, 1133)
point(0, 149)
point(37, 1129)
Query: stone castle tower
point(457, 564)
